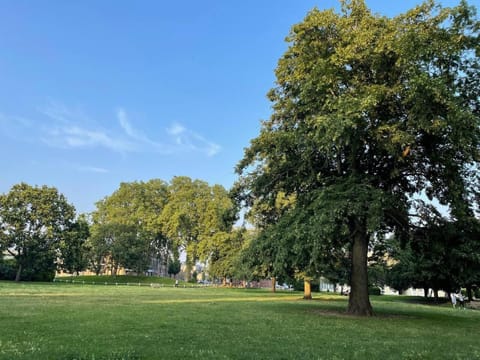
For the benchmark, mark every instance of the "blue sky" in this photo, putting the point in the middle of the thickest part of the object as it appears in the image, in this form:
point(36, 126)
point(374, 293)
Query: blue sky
point(94, 93)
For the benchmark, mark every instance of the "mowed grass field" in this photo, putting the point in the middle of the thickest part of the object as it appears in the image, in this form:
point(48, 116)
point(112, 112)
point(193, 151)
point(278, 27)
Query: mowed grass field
point(70, 321)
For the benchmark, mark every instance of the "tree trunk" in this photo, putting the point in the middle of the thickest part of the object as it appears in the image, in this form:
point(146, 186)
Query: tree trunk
point(164, 267)
point(274, 281)
point(425, 292)
point(307, 290)
point(188, 268)
point(359, 302)
point(435, 294)
point(19, 273)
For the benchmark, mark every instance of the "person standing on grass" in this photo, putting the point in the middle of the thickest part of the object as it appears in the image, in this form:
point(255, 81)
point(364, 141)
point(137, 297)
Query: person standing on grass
point(453, 298)
point(176, 283)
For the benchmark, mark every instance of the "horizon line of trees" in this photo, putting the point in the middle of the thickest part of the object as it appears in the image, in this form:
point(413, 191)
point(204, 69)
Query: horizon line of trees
point(129, 229)
point(140, 223)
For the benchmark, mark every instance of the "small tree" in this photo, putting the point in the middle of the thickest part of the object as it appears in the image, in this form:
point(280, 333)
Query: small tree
point(34, 221)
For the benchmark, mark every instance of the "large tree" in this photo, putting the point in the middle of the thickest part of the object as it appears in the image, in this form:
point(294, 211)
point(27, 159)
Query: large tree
point(118, 246)
point(228, 260)
point(442, 255)
point(34, 220)
point(197, 217)
point(368, 112)
point(135, 206)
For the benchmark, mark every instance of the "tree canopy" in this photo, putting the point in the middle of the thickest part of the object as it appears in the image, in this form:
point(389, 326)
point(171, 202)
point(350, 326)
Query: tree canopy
point(34, 221)
point(369, 112)
point(443, 254)
point(126, 226)
point(197, 218)
point(155, 220)
point(74, 249)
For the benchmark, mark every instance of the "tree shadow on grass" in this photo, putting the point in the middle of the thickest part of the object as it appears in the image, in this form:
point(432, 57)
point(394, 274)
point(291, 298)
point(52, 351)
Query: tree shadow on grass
point(338, 313)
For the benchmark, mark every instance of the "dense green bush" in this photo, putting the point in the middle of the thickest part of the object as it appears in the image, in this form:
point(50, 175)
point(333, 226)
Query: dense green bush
point(8, 269)
point(373, 290)
point(37, 271)
point(43, 274)
point(298, 285)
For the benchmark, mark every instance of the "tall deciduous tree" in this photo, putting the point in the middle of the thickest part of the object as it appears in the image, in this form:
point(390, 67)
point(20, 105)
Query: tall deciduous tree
point(135, 206)
point(368, 112)
point(225, 259)
point(121, 246)
point(197, 217)
point(33, 222)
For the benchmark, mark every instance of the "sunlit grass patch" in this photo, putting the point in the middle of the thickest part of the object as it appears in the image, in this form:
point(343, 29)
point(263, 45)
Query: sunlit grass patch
point(19, 294)
point(225, 299)
point(120, 279)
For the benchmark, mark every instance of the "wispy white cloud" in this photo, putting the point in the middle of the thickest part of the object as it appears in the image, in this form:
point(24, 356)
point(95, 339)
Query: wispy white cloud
point(125, 124)
point(142, 140)
point(208, 147)
point(70, 128)
point(62, 114)
point(73, 136)
point(191, 141)
point(66, 127)
point(180, 138)
point(93, 169)
point(76, 137)
point(176, 129)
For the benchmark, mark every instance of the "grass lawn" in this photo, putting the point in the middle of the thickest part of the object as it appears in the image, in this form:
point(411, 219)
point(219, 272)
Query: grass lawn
point(70, 321)
point(121, 280)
